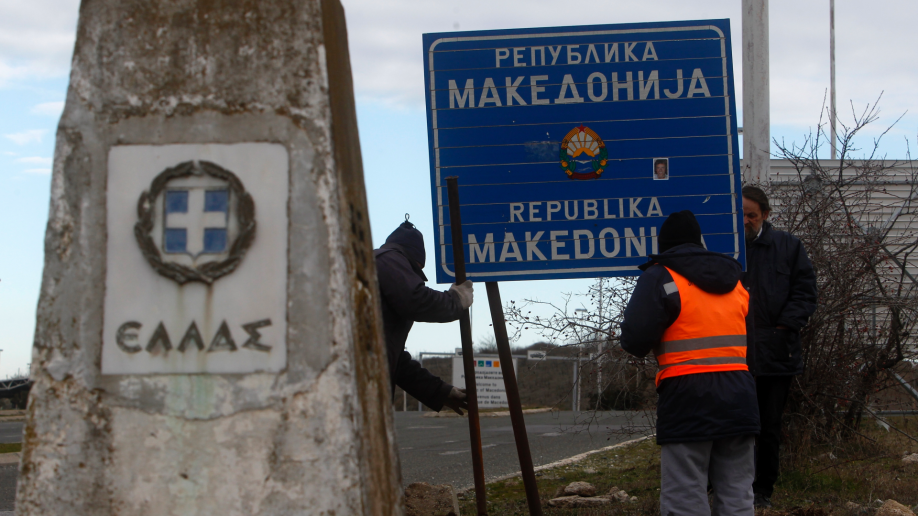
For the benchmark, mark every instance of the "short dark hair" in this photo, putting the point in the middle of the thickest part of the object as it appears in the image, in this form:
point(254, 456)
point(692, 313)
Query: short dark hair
point(754, 193)
point(659, 162)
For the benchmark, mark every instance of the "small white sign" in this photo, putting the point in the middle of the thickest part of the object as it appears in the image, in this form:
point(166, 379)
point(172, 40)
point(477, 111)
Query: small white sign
point(489, 381)
point(536, 355)
point(196, 272)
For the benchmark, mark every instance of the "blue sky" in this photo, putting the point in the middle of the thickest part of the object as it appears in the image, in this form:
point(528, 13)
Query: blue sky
point(875, 49)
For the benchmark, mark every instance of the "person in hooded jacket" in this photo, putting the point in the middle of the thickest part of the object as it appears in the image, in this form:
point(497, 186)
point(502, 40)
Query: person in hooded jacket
point(690, 308)
point(406, 300)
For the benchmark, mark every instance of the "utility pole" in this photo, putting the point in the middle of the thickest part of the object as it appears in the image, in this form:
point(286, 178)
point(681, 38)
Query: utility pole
point(832, 74)
point(600, 337)
point(756, 119)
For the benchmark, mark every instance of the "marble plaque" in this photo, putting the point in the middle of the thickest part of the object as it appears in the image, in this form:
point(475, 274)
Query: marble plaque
point(196, 276)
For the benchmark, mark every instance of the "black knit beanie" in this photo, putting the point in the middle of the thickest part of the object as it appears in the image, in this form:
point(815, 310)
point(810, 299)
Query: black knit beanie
point(679, 228)
point(411, 240)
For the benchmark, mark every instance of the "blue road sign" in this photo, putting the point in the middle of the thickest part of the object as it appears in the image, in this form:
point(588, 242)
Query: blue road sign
point(573, 144)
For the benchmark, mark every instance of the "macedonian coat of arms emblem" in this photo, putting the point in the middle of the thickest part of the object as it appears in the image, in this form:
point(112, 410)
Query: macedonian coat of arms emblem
point(583, 140)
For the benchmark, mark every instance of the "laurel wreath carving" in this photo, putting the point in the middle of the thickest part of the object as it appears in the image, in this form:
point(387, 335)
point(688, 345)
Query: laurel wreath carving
point(210, 271)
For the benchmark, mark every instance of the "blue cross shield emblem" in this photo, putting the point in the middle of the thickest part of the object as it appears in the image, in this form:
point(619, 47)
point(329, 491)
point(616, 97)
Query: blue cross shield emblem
point(196, 221)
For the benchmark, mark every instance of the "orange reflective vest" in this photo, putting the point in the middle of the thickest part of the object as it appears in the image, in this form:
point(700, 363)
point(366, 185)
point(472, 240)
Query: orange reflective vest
point(708, 336)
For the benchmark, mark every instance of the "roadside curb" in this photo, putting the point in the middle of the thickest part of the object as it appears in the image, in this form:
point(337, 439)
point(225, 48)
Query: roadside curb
point(9, 458)
point(562, 462)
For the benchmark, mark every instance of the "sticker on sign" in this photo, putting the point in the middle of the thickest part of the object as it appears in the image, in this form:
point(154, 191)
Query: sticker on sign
point(572, 145)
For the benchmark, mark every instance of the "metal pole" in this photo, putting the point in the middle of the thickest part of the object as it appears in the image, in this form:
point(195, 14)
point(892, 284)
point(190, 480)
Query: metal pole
point(599, 354)
point(468, 359)
point(599, 377)
point(579, 354)
point(421, 362)
point(908, 388)
point(756, 117)
point(513, 399)
point(832, 74)
point(576, 384)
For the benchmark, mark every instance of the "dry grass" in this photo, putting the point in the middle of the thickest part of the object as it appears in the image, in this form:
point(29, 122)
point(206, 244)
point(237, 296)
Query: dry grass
point(861, 470)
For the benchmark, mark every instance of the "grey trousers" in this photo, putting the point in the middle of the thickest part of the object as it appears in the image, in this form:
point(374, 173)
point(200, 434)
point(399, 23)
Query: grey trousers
point(686, 468)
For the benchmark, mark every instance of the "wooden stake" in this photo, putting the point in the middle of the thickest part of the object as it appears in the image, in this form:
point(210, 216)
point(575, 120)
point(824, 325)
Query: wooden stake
point(468, 357)
point(513, 399)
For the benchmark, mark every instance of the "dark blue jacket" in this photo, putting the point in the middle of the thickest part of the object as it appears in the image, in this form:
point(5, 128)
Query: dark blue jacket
point(782, 283)
point(694, 407)
point(406, 300)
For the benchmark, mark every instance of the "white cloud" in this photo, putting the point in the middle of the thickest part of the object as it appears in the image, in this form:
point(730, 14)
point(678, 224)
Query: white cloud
point(26, 137)
point(9, 153)
point(36, 160)
point(386, 52)
point(36, 38)
point(875, 42)
point(48, 108)
point(40, 171)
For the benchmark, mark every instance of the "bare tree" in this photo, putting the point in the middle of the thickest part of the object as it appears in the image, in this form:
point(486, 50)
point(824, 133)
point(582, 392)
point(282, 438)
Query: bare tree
point(856, 218)
point(586, 326)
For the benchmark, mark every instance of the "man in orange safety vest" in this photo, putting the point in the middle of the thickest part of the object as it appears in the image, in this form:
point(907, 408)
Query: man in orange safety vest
point(690, 309)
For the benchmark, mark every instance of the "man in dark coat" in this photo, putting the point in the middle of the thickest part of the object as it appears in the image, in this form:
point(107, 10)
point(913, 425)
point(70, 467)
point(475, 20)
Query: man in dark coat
point(706, 412)
point(406, 300)
point(782, 284)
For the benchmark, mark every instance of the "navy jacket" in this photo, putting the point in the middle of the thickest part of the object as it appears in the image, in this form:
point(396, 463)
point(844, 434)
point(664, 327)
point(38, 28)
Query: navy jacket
point(694, 407)
point(782, 283)
point(405, 299)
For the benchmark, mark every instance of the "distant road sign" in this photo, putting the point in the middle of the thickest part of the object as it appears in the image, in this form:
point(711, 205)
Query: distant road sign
point(573, 144)
point(536, 355)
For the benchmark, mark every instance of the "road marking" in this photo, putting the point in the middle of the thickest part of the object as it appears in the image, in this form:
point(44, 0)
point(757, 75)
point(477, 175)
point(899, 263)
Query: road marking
point(424, 427)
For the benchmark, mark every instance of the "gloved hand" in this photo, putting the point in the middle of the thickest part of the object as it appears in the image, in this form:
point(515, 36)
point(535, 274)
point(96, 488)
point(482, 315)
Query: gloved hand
point(465, 292)
point(457, 400)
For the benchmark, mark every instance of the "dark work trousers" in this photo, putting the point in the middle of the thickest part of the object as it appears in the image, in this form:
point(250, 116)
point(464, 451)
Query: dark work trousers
point(772, 393)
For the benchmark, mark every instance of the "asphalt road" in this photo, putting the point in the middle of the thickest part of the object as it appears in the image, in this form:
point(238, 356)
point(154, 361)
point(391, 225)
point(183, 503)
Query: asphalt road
point(11, 432)
point(437, 450)
point(8, 475)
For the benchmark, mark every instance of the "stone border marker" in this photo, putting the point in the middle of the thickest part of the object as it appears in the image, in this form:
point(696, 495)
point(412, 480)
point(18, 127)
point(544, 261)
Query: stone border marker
point(208, 337)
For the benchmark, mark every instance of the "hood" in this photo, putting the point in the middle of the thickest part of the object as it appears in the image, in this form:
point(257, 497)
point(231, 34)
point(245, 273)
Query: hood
point(407, 240)
point(712, 272)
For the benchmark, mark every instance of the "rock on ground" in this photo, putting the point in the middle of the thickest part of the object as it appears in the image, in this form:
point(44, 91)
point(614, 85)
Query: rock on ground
point(578, 495)
point(894, 508)
point(910, 459)
point(423, 499)
point(579, 489)
point(579, 502)
point(620, 495)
